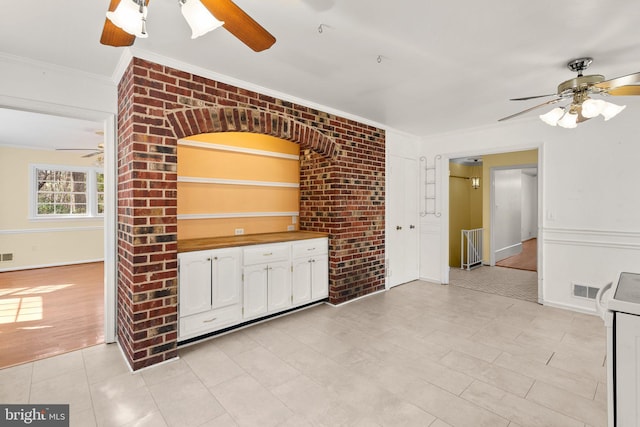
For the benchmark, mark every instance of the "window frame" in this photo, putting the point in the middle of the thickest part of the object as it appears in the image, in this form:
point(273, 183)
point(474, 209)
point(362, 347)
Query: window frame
point(91, 192)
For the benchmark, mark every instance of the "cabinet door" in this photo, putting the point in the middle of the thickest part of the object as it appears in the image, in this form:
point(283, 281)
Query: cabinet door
point(301, 285)
point(255, 290)
point(194, 282)
point(320, 277)
point(226, 281)
point(279, 285)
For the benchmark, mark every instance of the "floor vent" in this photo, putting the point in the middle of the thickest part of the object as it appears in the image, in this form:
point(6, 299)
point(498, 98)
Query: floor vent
point(584, 291)
point(6, 257)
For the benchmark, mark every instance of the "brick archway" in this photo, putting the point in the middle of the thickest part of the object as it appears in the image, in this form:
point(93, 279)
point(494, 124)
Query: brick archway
point(342, 186)
point(193, 121)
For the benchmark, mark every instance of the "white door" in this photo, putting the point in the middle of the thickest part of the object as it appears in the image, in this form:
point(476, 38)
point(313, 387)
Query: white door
point(226, 277)
point(255, 290)
point(301, 286)
point(320, 277)
point(402, 221)
point(195, 282)
point(279, 279)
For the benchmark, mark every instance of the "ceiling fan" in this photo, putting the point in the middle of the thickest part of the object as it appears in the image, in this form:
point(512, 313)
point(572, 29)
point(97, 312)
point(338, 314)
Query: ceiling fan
point(94, 151)
point(580, 91)
point(197, 13)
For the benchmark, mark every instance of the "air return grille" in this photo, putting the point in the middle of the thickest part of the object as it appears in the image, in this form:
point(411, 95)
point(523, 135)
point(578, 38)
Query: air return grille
point(584, 291)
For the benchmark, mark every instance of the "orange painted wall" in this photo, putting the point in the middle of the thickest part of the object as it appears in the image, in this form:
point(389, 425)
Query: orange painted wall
point(216, 198)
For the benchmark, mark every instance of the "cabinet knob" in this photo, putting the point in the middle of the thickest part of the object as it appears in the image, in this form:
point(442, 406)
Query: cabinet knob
point(208, 259)
point(398, 227)
point(412, 226)
point(215, 258)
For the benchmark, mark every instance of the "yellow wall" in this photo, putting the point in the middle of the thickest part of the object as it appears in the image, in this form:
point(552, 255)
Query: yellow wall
point(529, 157)
point(36, 243)
point(197, 198)
point(465, 207)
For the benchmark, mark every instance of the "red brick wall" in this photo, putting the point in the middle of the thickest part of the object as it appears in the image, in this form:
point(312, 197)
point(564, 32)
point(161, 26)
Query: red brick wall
point(342, 189)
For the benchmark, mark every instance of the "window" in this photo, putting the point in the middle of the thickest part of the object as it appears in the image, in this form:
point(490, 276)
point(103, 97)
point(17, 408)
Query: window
point(67, 192)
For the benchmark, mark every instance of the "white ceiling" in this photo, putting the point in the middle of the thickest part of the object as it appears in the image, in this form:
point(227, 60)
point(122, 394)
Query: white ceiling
point(444, 64)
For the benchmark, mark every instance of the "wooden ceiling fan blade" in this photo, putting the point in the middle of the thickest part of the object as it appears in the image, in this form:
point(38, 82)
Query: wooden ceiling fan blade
point(531, 97)
point(113, 35)
point(625, 90)
point(553, 101)
point(95, 153)
point(241, 25)
point(629, 79)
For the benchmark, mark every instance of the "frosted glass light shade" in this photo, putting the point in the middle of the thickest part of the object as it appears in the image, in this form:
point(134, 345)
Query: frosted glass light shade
point(569, 121)
point(552, 117)
point(198, 17)
point(130, 18)
point(592, 107)
point(611, 110)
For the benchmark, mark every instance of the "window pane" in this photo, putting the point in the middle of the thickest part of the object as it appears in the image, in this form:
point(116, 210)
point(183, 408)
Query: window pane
point(61, 192)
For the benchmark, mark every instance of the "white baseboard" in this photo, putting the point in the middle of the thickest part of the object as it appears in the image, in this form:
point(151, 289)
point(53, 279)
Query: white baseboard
point(58, 264)
point(570, 307)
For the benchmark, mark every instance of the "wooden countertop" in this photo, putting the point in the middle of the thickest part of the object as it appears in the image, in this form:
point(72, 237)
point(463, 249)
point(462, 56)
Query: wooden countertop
point(190, 245)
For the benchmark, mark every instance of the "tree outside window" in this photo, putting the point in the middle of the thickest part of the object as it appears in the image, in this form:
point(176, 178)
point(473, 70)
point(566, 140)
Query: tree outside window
point(68, 192)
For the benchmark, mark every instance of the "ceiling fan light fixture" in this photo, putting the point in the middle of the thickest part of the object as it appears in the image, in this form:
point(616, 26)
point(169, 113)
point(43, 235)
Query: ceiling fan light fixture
point(610, 110)
point(198, 17)
point(551, 118)
point(592, 107)
point(130, 16)
point(569, 120)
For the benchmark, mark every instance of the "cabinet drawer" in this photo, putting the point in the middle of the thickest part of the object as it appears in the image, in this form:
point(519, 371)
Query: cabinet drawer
point(209, 321)
point(309, 247)
point(261, 254)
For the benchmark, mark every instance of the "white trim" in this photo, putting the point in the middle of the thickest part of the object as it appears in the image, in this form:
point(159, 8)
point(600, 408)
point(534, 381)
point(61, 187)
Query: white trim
point(52, 230)
point(198, 180)
point(57, 264)
point(356, 299)
point(594, 244)
point(243, 150)
point(591, 232)
point(571, 307)
point(236, 215)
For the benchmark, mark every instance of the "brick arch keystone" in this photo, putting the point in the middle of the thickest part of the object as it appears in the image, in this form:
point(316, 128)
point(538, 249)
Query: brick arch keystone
point(194, 121)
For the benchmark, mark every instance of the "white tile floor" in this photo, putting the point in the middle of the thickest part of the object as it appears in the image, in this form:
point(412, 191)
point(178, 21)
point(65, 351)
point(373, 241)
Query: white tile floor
point(421, 354)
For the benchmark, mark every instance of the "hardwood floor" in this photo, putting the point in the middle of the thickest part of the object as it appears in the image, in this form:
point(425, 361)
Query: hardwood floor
point(525, 260)
point(49, 311)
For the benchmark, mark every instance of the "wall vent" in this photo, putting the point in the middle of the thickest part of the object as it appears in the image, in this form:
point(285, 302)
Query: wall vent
point(584, 291)
point(6, 257)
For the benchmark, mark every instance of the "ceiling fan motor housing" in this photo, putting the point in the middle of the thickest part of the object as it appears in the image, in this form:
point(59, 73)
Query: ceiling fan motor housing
point(578, 84)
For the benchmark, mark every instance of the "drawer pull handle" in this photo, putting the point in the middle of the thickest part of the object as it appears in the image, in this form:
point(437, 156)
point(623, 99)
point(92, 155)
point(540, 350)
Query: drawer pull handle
point(210, 320)
point(311, 249)
point(268, 254)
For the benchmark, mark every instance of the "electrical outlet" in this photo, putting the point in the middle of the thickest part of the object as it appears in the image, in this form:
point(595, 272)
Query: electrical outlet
point(294, 219)
point(291, 227)
point(239, 231)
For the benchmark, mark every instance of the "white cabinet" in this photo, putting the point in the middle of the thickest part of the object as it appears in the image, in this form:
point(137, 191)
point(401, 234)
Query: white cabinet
point(222, 288)
point(267, 279)
point(195, 281)
point(310, 270)
point(209, 291)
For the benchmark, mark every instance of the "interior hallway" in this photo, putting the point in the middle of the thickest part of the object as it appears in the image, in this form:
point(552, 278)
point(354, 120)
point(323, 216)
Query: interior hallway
point(420, 354)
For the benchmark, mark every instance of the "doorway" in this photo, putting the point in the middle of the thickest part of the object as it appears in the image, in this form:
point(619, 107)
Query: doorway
point(43, 272)
point(509, 223)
